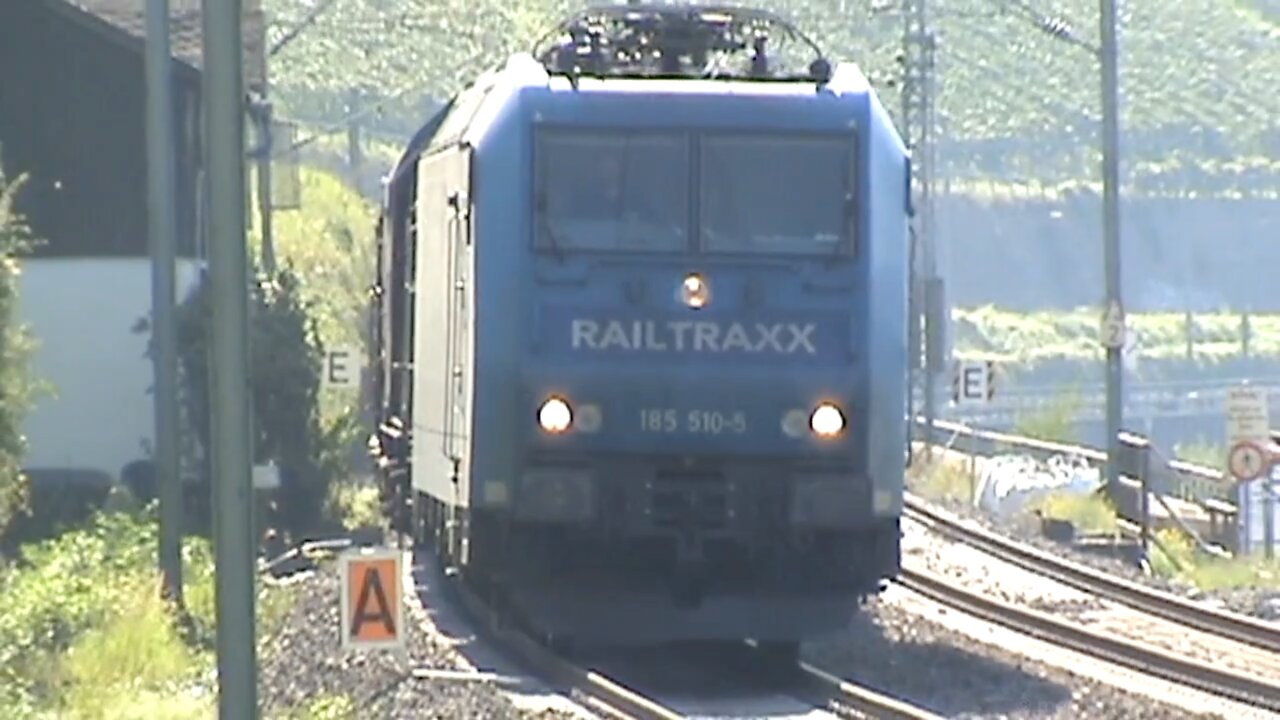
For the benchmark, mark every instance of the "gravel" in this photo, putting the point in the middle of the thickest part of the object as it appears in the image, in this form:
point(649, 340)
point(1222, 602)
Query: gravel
point(304, 661)
point(1263, 603)
point(902, 654)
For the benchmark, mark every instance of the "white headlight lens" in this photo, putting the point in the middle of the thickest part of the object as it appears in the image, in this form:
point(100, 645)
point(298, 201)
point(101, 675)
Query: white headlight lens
point(555, 416)
point(694, 291)
point(826, 420)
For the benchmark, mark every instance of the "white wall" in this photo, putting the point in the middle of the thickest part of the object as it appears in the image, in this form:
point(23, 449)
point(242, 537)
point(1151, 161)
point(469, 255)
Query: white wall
point(82, 312)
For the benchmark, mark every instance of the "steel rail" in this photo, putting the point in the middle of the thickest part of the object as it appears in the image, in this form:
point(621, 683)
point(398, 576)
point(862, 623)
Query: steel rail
point(842, 694)
point(1234, 626)
point(588, 687)
point(1134, 655)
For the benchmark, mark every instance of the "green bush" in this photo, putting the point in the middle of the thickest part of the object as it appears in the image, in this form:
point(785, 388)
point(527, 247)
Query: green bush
point(1091, 513)
point(317, 297)
point(65, 601)
point(1184, 561)
point(1036, 338)
point(16, 388)
point(328, 243)
point(284, 380)
point(84, 633)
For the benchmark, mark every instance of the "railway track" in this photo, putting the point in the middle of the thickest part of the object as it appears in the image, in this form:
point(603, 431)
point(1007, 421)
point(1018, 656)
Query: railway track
point(1134, 652)
point(1254, 691)
point(843, 696)
point(607, 695)
point(589, 688)
point(1232, 626)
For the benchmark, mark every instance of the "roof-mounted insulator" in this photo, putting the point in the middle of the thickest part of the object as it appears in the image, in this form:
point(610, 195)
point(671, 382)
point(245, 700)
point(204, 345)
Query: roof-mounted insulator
point(647, 40)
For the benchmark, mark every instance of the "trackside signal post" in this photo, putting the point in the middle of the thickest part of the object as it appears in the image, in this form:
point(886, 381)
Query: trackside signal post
point(919, 46)
point(224, 111)
point(161, 168)
point(1249, 457)
point(1111, 237)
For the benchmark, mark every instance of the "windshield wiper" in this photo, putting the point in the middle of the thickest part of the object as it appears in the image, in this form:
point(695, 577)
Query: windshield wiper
point(552, 241)
point(541, 209)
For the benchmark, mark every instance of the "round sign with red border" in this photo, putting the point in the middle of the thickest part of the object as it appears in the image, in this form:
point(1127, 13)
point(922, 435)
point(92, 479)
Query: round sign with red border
point(1247, 461)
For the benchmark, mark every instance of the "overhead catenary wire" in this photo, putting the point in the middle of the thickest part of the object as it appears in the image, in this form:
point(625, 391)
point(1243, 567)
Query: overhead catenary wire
point(1195, 111)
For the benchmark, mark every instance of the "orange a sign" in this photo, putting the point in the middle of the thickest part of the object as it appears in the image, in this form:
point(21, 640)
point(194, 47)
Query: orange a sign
point(372, 599)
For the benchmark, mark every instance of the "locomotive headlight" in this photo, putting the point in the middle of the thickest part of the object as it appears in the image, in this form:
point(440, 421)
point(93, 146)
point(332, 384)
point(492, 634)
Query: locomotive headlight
point(555, 416)
point(694, 291)
point(826, 420)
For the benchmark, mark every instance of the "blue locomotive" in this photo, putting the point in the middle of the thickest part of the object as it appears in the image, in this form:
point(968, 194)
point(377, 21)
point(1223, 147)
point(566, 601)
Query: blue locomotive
point(641, 332)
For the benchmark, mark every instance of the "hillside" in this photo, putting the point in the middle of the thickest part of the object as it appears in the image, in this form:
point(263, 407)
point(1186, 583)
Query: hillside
point(1199, 108)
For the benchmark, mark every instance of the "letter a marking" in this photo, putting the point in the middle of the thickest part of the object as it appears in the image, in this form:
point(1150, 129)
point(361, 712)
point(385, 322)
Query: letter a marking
point(372, 585)
point(372, 599)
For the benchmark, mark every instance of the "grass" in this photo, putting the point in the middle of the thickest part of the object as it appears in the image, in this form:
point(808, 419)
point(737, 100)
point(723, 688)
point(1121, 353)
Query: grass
point(1202, 452)
point(1207, 572)
point(1056, 422)
point(138, 650)
point(942, 479)
point(1088, 513)
point(84, 633)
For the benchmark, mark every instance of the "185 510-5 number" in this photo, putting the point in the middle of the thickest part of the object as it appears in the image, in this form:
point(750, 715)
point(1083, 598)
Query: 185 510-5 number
point(706, 422)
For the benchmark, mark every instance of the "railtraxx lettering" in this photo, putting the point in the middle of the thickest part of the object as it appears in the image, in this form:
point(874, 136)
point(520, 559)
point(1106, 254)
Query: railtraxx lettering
point(694, 336)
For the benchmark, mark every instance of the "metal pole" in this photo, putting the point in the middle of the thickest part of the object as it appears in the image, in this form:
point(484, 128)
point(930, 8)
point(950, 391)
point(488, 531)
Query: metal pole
point(918, 121)
point(161, 231)
point(1111, 230)
point(933, 299)
point(263, 114)
point(1244, 502)
point(1269, 514)
point(355, 155)
point(229, 366)
point(1144, 504)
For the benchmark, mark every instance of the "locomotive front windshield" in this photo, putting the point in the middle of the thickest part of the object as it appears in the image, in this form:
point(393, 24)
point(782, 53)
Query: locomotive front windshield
point(746, 193)
point(613, 193)
point(774, 194)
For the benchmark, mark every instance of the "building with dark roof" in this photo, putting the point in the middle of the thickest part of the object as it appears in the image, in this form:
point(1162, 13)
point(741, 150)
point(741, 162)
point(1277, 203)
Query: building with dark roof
point(129, 16)
point(73, 121)
point(72, 116)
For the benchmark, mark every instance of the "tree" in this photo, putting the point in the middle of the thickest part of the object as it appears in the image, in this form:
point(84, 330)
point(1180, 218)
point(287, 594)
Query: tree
point(16, 387)
point(1013, 101)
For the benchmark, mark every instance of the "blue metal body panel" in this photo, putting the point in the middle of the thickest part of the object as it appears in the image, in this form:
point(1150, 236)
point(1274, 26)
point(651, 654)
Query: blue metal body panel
point(697, 459)
point(526, 301)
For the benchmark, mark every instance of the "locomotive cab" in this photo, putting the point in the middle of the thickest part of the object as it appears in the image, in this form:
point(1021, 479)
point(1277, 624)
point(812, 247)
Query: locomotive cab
point(657, 295)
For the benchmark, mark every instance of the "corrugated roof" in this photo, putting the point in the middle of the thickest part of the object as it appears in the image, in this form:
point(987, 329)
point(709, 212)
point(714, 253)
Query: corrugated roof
point(186, 29)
